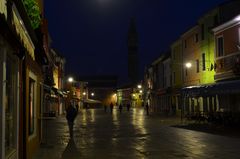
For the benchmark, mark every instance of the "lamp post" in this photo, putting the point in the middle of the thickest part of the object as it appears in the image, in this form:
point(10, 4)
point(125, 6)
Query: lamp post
point(77, 90)
point(187, 65)
point(70, 79)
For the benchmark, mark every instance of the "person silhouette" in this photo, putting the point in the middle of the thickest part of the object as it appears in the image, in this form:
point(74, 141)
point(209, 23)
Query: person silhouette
point(111, 107)
point(147, 109)
point(128, 107)
point(71, 115)
point(120, 108)
point(71, 151)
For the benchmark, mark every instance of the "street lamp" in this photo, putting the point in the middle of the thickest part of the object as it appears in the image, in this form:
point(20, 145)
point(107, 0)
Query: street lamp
point(139, 86)
point(70, 79)
point(92, 94)
point(188, 65)
point(237, 18)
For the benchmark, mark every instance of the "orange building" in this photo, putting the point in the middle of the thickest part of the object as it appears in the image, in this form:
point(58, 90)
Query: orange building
point(227, 65)
point(191, 55)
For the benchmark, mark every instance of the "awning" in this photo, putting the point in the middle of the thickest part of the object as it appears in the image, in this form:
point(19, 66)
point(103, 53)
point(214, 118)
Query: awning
point(58, 92)
point(91, 101)
point(225, 87)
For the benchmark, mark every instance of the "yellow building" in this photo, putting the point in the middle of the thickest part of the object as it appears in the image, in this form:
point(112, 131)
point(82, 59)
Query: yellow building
point(177, 76)
point(197, 66)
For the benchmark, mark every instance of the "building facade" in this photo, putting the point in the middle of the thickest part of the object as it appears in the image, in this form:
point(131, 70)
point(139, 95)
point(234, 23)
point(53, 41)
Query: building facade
point(101, 90)
point(197, 95)
point(21, 76)
point(9, 90)
point(227, 60)
point(177, 75)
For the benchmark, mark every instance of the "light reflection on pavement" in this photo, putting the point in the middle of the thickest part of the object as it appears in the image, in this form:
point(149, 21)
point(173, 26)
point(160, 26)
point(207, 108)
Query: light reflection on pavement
point(131, 135)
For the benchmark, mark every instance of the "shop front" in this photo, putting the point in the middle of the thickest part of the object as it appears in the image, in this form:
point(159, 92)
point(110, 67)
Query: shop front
point(9, 101)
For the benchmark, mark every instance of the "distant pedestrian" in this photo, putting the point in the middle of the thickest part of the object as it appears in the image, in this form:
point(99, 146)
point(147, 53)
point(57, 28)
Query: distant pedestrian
point(128, 107)
point(147, 109)
point(111, 107)
point(120, 108)
point(71, 115)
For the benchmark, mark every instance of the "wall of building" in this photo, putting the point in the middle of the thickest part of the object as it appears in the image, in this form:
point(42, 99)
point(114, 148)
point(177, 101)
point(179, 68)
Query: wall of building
point(191, 53)
point(207, 45)
point(176, 64)
point(33, 71)
point(231, 38)
point(9, 101)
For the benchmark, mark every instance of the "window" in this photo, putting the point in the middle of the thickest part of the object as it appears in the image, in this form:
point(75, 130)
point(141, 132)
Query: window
point(185, 43)
point(186, 72)
point(196, 38)
point(202, 31)
point(215, 20)
point(197, 66)
point(174, 78)
point(220, 51)
point(203, 62)
point(10, 101)
point(32, 105)
point(165, 82)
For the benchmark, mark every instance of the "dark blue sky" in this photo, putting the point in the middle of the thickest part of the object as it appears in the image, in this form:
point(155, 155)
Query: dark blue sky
point(92, 34)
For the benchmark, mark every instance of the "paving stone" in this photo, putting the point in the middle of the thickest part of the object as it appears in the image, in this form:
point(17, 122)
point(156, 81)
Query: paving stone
point(131, 135)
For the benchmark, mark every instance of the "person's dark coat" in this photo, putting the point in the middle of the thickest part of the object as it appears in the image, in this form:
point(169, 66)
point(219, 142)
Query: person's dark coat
point(71, 113)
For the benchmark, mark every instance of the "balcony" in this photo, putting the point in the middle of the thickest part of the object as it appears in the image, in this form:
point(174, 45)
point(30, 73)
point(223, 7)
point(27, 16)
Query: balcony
point(227, 67)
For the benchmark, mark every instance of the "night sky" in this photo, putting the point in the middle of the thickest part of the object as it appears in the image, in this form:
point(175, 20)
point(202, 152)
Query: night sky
point(92, 34)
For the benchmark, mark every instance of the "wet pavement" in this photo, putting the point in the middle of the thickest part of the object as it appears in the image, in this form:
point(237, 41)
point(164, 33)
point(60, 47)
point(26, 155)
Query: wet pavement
point(131, 135)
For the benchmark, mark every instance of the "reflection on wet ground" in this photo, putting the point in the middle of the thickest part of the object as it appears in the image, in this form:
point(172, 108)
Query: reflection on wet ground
point(131, 135)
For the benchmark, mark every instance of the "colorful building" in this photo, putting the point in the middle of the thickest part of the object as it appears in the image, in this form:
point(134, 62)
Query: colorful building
point(227, 65)
point(124, 95)
point(21, 78)
point(198, 52)
point(10, 79)
point(101, 90)
point(130, 94)
point(158, 85)
point(148, 86)
point(177, 75)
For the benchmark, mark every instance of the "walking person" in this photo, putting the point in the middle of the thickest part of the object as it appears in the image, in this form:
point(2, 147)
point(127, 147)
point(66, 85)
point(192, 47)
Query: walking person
point(128, 107)
point(147, 109)
point(120, 108)
point(111, 107)
point(71, 115)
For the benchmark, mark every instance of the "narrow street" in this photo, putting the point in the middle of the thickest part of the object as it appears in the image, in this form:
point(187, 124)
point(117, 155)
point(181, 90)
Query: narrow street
point(131, 135)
